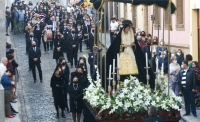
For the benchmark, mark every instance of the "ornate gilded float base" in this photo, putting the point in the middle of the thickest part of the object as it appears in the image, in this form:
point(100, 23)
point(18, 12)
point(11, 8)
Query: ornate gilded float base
point(168, 116)
point(127, 65)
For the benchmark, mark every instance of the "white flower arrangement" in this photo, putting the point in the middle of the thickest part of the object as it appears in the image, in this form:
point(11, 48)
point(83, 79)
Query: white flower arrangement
point(133, 97)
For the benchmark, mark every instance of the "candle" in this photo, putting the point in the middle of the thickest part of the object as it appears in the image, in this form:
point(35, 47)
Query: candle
point(150, 49)
point(146, 60)
point(117, 60)
point(110, 71)
point(113, 65)
point(162, 69)
point(156, 65)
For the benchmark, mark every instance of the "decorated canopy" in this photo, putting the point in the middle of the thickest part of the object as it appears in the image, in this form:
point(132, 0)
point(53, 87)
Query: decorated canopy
point(161, 3)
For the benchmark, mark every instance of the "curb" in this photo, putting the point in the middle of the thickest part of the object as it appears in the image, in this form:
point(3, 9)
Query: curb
point(19, 89)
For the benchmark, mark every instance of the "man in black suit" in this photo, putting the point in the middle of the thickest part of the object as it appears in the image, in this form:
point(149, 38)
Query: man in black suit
point(29, 41)
point(79, 31)
point(74, 22)
point(64, 29)
point(38, 30)
point(91, 39)
point(79, 17)
point(29, 45)
point(91, 61)
point(66, 32)
point(86, 31)
point(54, 25)
point(73, 41)
point(59, 14)
point(34, 55)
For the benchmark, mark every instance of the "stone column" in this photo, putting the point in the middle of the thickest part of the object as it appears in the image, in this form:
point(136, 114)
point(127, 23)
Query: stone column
point(193, 34)
point(109, 14)
point(2, 109)
point(121, 10)
point(146, 19)
point(125, 10)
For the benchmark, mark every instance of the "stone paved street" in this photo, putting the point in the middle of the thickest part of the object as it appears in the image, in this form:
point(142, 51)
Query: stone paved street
point(36, 98)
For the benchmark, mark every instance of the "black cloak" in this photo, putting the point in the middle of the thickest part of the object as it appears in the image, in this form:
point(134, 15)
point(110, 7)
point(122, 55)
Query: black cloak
point(140, 60)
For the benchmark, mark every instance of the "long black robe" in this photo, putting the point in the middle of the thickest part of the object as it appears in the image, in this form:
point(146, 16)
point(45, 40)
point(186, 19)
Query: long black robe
point(57, 84)
point(58, 43)
point(76, 95)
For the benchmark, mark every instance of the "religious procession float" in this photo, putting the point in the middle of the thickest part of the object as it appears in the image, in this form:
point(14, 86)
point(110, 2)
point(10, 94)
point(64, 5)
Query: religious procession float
point(125, 85)
point(131, 101)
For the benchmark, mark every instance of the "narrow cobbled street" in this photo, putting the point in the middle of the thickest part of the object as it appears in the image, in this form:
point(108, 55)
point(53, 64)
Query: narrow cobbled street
point(36, 98)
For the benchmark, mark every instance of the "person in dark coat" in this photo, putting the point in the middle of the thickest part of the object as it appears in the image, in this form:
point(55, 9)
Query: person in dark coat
point(66, 72)
point(29, 41)
point(54, 25)
point(83, 77)
point(58, 47)
point(82, 64)
point(91, 61)
point(34, 56)
point(14, 63)
point(152, 115)
point(79, 17)
point(187, 87)
point(76, 97)
point(91, 39)
point(86, 31)
point(73, 41)
point(66, 32)
point(79, 31)
point(58, 85)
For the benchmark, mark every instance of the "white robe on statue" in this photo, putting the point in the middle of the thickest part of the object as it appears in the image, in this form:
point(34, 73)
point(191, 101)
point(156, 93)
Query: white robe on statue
point(127, 60)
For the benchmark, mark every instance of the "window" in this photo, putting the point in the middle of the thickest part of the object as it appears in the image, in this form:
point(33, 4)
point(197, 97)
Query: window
point(180, 15)
point(157, 17)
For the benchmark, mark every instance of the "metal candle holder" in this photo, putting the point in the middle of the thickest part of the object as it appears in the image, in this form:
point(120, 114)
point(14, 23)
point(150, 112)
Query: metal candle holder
point(109, 87)
point(156, 81)
point(118, 78)
point(114, 83)
point(147, 75)
point(162, 78)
